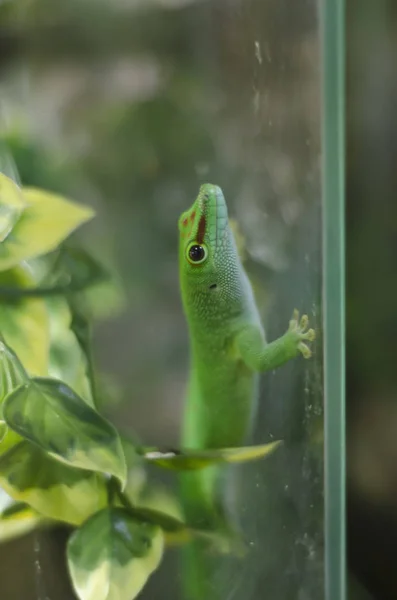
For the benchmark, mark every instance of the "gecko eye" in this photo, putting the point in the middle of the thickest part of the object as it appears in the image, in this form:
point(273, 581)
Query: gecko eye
point(196, 254)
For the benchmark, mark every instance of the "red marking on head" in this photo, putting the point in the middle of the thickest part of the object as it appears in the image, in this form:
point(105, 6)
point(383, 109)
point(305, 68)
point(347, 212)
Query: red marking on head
point(201, 230)
point(184, 222)
point(193, 215)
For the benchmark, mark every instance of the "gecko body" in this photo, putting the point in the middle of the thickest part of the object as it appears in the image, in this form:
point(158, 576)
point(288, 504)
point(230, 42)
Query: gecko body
point(228, 347)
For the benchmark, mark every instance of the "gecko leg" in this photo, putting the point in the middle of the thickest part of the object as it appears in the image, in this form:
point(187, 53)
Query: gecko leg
point(260, 356)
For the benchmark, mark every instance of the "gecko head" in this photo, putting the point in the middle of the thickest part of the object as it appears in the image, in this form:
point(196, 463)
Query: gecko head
point(205, 240)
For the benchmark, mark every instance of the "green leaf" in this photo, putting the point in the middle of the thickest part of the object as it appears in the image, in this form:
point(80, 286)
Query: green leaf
point(167, 522)
point(155, 496)
point(24, 323)
point(9, 440)
point(74, 269)
point(159, 501)
point(50, 414)
point(12, 204)
point(81, 327)
point(12, 373)
point(80, 324)
point(155, 503)
point(176, 531)
point(191, 460)
point(67, 359)
point(46, 221)
point(112, 555)
point(65, 270)
point(53, 489)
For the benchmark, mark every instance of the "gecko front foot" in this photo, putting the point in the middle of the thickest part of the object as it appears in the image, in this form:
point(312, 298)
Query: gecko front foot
point(299, 333)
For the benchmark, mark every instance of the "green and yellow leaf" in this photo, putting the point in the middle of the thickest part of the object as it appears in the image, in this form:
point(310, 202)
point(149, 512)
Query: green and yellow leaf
point(112, 555)
point(46, 221)
point(53, 489)
point(191, 460)
point(24, 322)
point(50, 414)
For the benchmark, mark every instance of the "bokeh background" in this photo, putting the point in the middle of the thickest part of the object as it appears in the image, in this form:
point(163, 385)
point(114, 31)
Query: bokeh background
point(371, 294)
point(129, 106)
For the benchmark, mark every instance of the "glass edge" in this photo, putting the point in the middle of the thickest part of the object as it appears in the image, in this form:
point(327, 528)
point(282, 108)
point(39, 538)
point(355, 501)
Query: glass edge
point(332, 37)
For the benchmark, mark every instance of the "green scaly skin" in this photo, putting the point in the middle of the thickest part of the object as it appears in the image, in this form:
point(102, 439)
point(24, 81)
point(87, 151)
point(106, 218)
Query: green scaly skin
point(228, 346)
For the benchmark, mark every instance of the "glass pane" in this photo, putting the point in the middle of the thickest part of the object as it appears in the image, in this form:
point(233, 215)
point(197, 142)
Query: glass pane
point(129, 107)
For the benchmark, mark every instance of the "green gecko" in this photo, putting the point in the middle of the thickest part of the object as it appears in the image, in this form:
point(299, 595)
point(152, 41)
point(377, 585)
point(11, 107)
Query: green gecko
point(228, 346)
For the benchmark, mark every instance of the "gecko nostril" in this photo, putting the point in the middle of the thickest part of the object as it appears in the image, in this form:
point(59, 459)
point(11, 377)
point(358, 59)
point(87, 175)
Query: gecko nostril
point(213, 286)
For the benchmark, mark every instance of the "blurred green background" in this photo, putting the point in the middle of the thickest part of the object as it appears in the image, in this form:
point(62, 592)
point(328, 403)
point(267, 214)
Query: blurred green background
point(372, 294)
point(129, 106)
